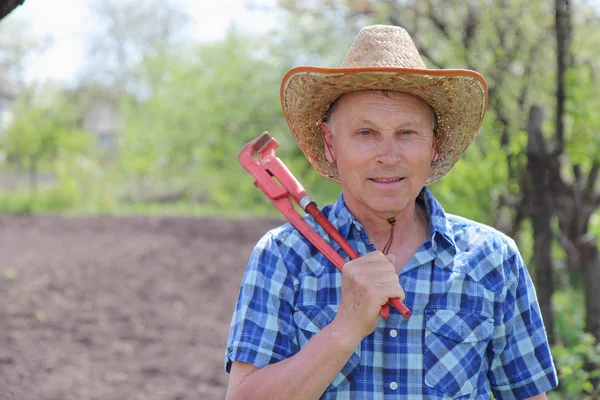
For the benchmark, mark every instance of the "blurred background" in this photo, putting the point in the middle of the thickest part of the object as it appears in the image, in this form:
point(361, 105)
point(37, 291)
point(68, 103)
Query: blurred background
point(126, 220)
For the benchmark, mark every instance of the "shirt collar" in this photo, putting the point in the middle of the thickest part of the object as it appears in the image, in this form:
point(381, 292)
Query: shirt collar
point(342, 218)
point(439, 227)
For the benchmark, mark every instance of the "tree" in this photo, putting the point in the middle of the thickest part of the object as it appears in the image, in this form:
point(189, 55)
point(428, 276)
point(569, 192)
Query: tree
point(129, 31)
point(188, 131)
point(18, 47)
point(42, 132)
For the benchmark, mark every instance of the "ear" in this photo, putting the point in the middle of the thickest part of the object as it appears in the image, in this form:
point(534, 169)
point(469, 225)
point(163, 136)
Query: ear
point(435, 154)
point(327, 141)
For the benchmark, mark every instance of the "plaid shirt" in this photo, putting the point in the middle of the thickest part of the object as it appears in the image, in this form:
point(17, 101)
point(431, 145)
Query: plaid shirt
point(475, 326)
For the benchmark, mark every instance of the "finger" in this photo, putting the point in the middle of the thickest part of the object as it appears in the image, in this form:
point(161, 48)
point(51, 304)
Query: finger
point(374, 256)
point(371, 261)
point(391, 258)
point(392, 290)
point(384, 276)
point(400, 294)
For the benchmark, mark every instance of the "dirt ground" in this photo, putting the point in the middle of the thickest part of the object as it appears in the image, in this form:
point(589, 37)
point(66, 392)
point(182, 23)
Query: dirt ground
point(118, 307)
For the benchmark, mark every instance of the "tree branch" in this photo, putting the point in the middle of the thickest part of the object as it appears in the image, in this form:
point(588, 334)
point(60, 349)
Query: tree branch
point(533, 54)
point(471, 23)
point(441, 25)
point(562, 44)
point(591, 181)
point(422, 49)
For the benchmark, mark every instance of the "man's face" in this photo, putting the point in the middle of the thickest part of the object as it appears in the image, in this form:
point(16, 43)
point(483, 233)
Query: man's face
point(383, 145)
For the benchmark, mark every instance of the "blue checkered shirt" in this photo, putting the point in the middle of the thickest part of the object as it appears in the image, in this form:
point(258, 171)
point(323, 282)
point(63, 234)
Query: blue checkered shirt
point(475, 327)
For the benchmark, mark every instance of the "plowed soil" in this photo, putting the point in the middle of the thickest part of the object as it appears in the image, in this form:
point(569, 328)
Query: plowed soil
point(118, 307)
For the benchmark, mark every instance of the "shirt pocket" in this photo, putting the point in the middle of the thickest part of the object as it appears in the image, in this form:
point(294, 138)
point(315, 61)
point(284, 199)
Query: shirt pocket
point(310, 319)
point(455, 350)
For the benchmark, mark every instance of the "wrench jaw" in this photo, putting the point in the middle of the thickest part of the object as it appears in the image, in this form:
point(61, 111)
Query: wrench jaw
point(261, 142)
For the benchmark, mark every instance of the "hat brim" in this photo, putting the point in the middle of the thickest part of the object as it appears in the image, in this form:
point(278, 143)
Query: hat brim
point(459, 98)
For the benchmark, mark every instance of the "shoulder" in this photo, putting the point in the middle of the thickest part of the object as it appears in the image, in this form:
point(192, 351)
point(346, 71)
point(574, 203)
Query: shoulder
point(487, 254)
point(286, 246)
point(466, 235)
point(466, 231)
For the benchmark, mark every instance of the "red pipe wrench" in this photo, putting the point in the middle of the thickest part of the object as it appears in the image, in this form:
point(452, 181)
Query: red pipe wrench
point(265, 170)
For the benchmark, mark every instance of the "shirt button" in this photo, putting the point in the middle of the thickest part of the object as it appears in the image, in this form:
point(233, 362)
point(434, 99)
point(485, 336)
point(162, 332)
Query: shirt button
point(393, 386)
point(393, 333)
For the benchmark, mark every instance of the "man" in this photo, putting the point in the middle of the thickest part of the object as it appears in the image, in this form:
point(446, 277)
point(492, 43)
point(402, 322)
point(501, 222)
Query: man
point(384, 126)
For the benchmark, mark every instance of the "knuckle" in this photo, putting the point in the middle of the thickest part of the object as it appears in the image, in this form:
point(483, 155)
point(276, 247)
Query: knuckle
point(350, 269)
point(374, 256)
point(401, 293)
point(360, 280)
point(390, 275)
point(371, 291)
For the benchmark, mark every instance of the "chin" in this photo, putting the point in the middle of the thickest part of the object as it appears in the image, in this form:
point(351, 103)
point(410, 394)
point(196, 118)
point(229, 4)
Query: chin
point(392, 207)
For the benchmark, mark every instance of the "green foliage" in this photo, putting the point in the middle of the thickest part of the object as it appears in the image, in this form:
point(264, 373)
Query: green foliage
point(123, 32)
point(18, 47)
point(569, 307)
point(576, 352)
point(583, 123)
point(583, 89)
point(188, 113)
point(185, 137)
point(59, 198)
point(472, 186)
point(43, 133)
point(575, 378)
point(16, 202)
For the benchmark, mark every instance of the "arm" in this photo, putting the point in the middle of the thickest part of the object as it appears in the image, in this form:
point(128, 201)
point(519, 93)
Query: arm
point(367, 284)
point(305, 375)
point(541, 396)
point(522, 361)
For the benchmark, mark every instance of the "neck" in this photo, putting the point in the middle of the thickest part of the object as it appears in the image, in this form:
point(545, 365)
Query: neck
point(410, 225)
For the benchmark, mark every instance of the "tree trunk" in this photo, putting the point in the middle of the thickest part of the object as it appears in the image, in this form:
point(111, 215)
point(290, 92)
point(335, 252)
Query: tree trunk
point(33, 182)
point(562, 18)
point(540, 211)
point(590, 266)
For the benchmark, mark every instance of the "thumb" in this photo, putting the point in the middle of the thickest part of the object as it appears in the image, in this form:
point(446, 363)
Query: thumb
point(391, 258)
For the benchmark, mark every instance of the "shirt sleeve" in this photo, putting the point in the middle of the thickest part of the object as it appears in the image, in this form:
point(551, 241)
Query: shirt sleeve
point(262, 330)
point(522, 367)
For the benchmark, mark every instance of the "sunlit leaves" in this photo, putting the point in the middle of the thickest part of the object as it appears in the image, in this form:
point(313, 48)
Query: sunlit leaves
point(192, 125)
point(42, 132)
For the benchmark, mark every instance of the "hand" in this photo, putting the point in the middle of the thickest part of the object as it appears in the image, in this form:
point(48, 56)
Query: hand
point(368, 283)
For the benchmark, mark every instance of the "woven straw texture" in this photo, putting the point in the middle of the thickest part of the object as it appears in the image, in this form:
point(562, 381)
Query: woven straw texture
point(385, 58)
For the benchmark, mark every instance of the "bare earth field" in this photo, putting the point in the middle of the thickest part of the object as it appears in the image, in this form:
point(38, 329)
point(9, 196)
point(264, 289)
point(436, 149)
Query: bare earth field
point(118, 307)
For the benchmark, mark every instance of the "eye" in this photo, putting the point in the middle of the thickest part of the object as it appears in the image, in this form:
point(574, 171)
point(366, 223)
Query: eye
point(364, 132)
point(407, 132)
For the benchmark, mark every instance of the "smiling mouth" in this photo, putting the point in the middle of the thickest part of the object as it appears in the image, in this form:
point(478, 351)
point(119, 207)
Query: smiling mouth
point(385, 180)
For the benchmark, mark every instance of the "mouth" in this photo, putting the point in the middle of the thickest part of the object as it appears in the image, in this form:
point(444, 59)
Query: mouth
point(386, 180)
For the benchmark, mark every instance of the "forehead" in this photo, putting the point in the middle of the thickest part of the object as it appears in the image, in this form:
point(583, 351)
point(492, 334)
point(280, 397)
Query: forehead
point(376, 103)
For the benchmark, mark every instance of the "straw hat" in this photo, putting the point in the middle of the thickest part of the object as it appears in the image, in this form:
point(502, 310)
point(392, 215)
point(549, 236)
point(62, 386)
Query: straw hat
point(385, 58)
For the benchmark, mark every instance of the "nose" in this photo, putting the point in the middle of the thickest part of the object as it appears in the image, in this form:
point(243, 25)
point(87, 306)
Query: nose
point(387, 153)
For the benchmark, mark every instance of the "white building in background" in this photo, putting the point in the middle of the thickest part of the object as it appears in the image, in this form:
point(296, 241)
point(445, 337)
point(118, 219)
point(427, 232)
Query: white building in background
point(8, 94)
point(102, 119)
